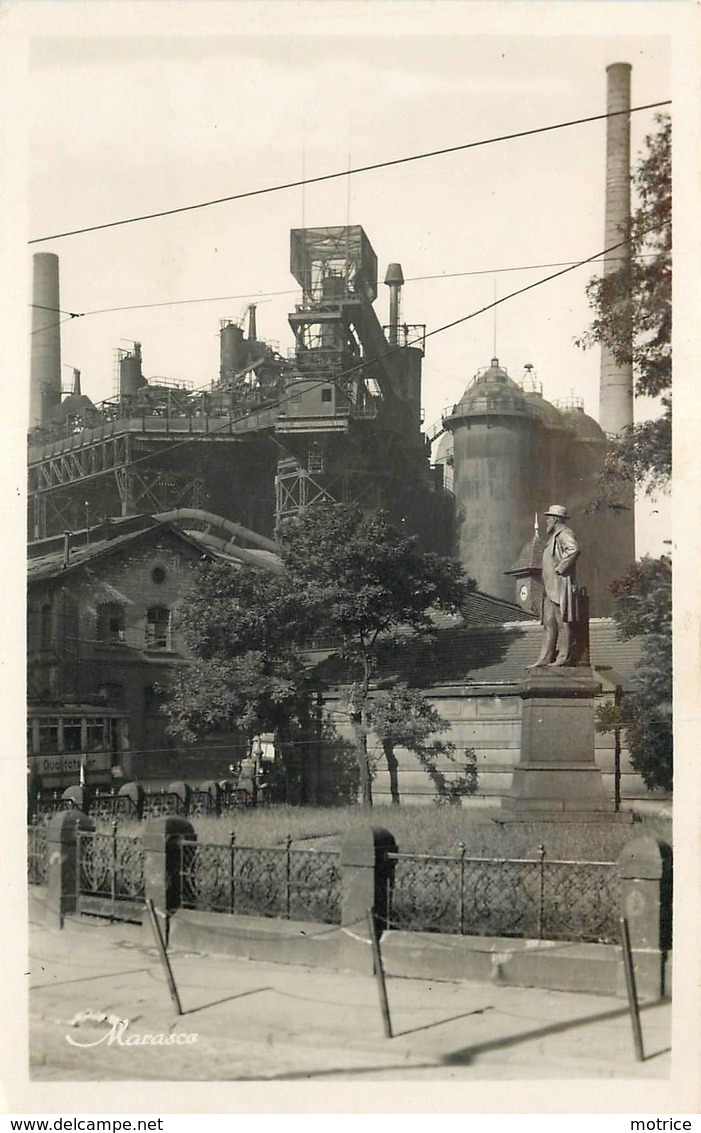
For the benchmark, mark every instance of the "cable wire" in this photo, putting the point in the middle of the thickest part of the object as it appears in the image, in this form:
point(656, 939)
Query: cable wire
point(229, 421)
point(51, 326)
point(347, 172)
point(295, 291)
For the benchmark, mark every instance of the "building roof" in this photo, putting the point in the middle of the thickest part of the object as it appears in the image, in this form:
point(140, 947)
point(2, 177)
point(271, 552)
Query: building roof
point(47, 557)
point(530, 556)
point(52, 562)
point(490, 655)
point(484, 609)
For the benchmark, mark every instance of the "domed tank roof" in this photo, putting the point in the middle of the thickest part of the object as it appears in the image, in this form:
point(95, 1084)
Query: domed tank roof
point(444, 448)
point(586, 428)
point(548, 413)
point(491, 391)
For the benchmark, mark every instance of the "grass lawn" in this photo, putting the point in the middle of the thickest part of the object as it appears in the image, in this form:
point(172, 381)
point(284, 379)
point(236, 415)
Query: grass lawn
point(434, 829)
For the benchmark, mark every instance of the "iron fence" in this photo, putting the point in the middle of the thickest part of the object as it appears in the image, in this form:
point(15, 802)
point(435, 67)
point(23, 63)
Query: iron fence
point(111, 806)
point(37, 855)
point(271, 882)
point(49, 803)
point(163, 804)
point(529, 897)
point(105, 804)
point(110, 875)
point(203, 804)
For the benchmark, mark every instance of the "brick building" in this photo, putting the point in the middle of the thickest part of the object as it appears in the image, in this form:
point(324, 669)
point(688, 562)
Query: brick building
point(102, 643)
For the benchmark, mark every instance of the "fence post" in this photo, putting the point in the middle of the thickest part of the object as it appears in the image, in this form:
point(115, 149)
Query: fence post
point(183, 793)
point(162, 841)
point(288, 875)
point(63, 871)
point(232, 868)
point(541, 889)
point(645, 872)
point(463, 851)
point(133, 796)
point(366, 879)
point(113, 870)
point(79, 797)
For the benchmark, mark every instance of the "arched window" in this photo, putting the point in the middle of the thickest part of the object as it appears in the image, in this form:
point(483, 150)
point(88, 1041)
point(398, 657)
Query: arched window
point(158, 628)
point(110, 623)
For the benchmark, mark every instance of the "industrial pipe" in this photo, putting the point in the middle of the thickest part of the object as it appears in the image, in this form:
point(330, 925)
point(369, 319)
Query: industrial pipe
point(218, 521)
point(253, 558)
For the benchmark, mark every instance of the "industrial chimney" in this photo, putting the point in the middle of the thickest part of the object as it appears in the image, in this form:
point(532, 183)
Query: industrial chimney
point(394, 280)
point(45, 364)
point(616, 383)
point(615, 528)
point(252, 330)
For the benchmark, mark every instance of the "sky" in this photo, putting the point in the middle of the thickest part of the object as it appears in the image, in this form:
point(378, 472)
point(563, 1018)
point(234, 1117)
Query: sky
point(123, 123)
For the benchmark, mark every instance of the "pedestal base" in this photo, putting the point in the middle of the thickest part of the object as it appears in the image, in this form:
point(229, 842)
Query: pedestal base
point(557, 778)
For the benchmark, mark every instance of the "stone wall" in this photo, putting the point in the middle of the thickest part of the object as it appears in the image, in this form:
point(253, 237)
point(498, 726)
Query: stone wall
point(487, 719)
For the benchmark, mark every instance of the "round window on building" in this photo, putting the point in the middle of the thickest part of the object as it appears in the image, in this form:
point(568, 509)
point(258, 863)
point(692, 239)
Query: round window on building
point(158, 574)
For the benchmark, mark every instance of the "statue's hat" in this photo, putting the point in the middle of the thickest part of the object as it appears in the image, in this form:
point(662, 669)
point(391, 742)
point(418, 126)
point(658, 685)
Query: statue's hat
point(557, 511)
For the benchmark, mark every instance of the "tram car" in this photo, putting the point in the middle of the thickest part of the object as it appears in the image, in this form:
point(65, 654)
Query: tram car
point(77, 743)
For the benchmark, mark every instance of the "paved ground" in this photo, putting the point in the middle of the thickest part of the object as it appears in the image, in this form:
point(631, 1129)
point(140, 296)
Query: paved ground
point(257, 1021)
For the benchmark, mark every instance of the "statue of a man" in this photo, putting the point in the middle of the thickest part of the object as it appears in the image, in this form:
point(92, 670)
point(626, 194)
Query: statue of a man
point(558, 611)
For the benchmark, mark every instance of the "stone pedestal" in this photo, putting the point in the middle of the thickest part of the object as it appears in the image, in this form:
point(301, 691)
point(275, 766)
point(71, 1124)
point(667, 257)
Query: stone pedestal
point(645, 870)
point(63, 868)
point(557, 778)
point(367, 874)
point(162, 840)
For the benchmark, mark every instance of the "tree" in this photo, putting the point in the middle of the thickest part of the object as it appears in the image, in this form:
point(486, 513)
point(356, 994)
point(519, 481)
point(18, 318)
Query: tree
point(640, 294)
point(241, 628)
point(402, 717)
point(350, 579)
point(360, 581)
point(643, 607)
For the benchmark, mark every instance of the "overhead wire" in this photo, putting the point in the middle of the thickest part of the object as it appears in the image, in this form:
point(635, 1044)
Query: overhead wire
point(51, 326)
point(229, 421)
point(520, 267)
point(488, 307)
point(295, 291)
point(348, 172)
point(58, 310)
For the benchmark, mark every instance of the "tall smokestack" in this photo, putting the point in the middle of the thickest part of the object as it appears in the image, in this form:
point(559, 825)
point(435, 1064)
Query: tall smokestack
point(394, 280)
point(252, 331)
point(616, 383)
point(45, 366)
